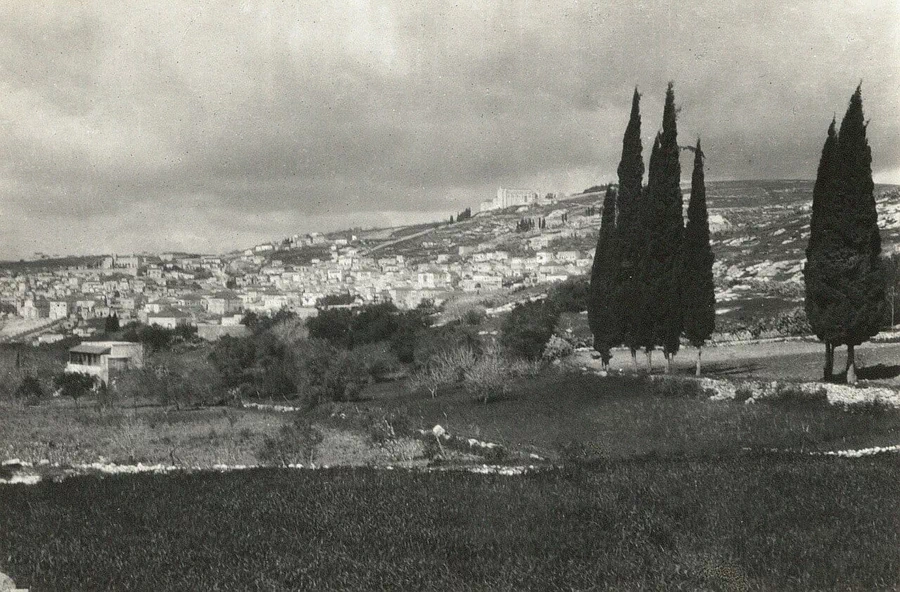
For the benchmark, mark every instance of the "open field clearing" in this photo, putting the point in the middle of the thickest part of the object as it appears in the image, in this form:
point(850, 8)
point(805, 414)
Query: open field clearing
point(739, 523)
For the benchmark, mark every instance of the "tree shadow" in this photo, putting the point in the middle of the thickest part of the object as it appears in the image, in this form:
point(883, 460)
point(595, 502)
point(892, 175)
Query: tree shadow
point(876, 372)
point(725, 369)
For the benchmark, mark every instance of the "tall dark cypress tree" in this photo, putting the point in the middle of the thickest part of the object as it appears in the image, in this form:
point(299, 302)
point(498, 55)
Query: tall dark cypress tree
point(665, 229)
point(639, 297)
point(864, 280)
point(603, 316)
point(697, 288)
point(844, 272)
point(628, 226)
point(822, 300)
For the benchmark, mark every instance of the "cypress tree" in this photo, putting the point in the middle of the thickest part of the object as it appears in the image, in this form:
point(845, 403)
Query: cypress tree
point(864, 281)
point(640, 302)
point(821, 298)
point(698, 290)
point(844, 271)
point(665, 229)
point(628, 228)
point(603, 317)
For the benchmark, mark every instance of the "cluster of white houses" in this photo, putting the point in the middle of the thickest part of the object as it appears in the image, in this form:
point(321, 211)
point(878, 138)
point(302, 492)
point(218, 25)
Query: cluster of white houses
point(170, 289)
point(70, 299)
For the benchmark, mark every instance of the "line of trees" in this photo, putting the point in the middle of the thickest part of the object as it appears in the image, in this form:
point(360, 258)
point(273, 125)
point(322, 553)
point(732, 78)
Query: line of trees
point(651, 280)
point(844, 274)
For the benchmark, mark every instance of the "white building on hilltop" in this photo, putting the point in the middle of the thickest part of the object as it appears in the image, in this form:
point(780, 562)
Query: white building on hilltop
point(507, 198)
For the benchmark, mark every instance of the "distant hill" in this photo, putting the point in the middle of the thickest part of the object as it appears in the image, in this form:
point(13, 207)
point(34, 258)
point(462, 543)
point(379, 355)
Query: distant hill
point(52, 264)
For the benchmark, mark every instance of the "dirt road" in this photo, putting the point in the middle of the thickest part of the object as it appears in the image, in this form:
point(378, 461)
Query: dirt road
point(801, 360)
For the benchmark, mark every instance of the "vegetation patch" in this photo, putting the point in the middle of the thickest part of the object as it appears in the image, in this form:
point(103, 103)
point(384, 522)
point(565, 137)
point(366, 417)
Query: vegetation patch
point(758, 522)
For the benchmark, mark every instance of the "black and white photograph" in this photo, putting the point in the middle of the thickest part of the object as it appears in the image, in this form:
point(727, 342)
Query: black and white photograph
point(449, 295)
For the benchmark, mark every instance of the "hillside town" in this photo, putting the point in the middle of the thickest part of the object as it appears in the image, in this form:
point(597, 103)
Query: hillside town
point(484, 254)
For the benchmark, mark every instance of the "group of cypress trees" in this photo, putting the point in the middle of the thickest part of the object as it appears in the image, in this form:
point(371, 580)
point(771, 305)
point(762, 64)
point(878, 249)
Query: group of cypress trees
point(844, 273)
point(652, 280)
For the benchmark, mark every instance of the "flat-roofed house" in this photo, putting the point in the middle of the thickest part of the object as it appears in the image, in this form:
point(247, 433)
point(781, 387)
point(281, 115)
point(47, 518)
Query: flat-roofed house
point(104, 358)
point(168, 318)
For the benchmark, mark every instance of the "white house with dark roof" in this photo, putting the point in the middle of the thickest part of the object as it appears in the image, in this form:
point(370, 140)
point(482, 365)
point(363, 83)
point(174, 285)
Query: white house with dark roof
point(104, 358)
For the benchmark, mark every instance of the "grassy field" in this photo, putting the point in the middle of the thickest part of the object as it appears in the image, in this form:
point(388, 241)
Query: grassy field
point(623, 417)
point(740, 523)
point(615, 417)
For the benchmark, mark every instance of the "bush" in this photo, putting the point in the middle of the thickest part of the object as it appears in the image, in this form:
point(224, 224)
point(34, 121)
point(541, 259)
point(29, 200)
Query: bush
point(29, 389)
point(528, 328)
point(557, 348)
point(793, 396)
point(687, 388)
point(410, 326)
point(157, 338)
point(175, 381)
point(445, 367)
point(378, 359)
point(296, 443)
point(234, 358)
point(328, 373)
point(373, 323)
point(571, 295)
point(74, 384)
point(389, 426)
point(488, 378)
point(474, 316)
point(743, 393)
point(332, 325)
point(435, 342)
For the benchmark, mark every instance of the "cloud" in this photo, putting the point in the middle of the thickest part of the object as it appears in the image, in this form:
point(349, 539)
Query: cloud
point(255, 118)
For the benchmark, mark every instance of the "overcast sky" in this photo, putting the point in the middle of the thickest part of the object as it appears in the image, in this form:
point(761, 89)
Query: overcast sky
point(206, 126)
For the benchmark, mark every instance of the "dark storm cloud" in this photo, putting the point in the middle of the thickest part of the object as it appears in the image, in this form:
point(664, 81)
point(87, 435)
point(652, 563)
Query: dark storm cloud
point(208, 126)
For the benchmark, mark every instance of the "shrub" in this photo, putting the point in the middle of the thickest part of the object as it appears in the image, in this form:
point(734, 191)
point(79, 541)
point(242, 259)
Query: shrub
point(74, 384)
point(260, 324)
point(570, 295)
point(296, 443)
point(445, 367)
point(794, 396)
point(378, 359)
point(528, 327)
point(29, 389)
point(328, 373)
point(332, 325)
point(557, 348)
point(157, 338)
point(433, 343)
point(389, 426)
point(474, 316)
point(373, 323)
point(411, 325)
point(175, 381)
point(234, 358)
point(488, 378)
point(743, 393)
point(525, 368)
point(680, 387)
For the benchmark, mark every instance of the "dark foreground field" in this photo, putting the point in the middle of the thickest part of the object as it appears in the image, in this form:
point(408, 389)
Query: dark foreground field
point(737, 523)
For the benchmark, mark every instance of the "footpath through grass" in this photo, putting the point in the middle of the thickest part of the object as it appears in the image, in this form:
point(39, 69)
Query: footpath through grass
point(741, 523)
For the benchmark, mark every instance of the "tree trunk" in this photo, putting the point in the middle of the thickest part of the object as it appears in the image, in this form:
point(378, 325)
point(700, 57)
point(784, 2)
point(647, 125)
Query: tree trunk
point(668, 358)
point(829, 361)
point(649, 354)
point(634, 359)
point(851, 365)
point(699, 351)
